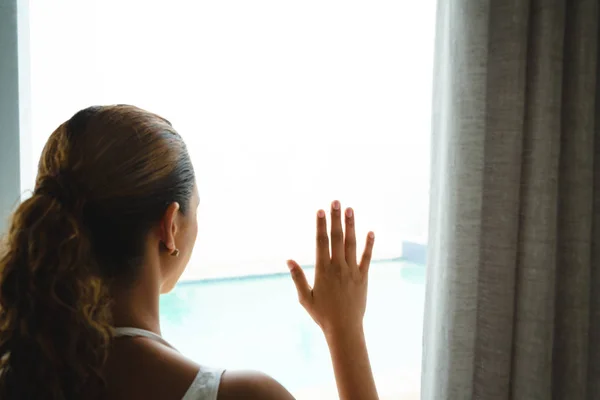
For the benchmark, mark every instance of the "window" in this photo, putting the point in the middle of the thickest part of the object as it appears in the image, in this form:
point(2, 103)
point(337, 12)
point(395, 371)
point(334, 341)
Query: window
point(284, 106)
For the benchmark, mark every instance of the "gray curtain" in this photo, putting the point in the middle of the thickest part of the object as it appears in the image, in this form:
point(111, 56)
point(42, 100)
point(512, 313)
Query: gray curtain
point(12, 93)
point(513, 295)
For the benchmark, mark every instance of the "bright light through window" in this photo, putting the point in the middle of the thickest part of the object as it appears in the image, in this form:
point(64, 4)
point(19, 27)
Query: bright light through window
point(284, 106)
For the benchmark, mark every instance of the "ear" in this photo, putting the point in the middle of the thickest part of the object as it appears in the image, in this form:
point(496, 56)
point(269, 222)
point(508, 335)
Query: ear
point(168, 226)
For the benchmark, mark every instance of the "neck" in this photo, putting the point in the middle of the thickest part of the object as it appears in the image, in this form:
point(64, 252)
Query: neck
point(137, 305)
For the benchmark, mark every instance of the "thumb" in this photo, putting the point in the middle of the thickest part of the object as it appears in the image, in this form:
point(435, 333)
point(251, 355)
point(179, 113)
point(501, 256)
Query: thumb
point(302, 286)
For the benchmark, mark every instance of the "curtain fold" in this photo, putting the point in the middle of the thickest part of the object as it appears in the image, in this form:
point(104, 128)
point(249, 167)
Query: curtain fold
point(513, 293)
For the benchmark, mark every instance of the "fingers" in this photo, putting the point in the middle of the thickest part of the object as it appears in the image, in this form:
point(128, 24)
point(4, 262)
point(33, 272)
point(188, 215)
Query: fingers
point(337, 233)
point(303, 288)
point(350, 239)
point(365, 261)
point(323, 257)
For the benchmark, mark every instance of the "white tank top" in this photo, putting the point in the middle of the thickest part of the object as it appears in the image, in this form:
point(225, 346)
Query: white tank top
point(205, 385)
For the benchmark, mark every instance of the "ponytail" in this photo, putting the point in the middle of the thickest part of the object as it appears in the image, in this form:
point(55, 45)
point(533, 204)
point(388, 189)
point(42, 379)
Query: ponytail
point(54, 310)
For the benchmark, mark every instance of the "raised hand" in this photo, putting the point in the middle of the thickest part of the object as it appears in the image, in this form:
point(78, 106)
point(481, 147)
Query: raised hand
point(338, 300)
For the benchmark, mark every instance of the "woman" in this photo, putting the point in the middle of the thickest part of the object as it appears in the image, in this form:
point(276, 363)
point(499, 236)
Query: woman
point(111, 226)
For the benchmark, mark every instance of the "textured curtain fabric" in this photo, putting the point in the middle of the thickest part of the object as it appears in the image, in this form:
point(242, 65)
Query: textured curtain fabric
point(513, 296)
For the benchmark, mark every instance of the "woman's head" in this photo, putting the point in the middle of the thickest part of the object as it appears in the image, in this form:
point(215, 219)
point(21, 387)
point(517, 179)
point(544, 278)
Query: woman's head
point(115, 192)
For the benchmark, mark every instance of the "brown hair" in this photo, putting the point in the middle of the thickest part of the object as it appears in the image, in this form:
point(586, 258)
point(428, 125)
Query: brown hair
point(105, 178)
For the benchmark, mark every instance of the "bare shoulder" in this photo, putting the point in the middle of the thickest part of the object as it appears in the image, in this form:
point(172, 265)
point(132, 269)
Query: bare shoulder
point(251, 385)
point(142, 369)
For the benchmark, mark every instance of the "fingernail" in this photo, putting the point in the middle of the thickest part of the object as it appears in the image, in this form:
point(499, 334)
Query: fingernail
point(349, 212)
point(290, 265)
point(336, 205)
point(321, 214)
point(371, 235)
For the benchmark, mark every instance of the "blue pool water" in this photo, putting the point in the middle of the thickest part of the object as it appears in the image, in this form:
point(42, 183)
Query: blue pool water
point(257, 323)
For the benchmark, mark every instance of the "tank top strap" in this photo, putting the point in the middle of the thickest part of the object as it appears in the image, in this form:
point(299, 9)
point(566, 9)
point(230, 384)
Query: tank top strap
point(137, 332)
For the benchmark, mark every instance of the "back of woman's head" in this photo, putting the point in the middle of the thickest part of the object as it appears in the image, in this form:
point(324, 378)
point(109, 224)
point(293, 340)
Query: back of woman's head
point(105, 179)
